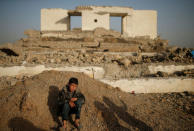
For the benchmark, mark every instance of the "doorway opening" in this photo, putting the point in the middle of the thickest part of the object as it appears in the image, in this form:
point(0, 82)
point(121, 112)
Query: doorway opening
point(75, 23)
point(115, 23)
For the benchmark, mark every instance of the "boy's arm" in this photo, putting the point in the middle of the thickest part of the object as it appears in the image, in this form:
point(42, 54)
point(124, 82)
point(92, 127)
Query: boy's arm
point(63, 96)
point(80, 98)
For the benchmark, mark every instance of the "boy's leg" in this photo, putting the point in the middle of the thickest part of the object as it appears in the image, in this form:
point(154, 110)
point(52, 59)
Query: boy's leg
point(65, 113)
point(78, 111)
point(77, 124)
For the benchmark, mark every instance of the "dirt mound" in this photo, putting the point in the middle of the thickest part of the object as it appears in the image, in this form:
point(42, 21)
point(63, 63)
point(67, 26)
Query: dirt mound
point(31, 105)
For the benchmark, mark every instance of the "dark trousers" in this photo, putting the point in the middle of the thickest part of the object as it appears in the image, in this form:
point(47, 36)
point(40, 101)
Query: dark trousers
point(67, 110)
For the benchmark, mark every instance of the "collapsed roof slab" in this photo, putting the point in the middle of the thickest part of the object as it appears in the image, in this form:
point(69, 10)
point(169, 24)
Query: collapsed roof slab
point(108, 9)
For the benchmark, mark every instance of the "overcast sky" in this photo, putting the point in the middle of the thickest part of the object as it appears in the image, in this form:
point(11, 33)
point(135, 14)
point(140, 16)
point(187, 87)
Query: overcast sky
point(175, 17)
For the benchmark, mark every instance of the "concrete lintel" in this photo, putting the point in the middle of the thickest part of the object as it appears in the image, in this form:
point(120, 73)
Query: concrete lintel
point(74, 13)
point(118, 14)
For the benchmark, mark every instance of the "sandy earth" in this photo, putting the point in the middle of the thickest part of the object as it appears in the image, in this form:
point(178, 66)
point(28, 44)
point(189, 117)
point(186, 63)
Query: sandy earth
point(31, 105)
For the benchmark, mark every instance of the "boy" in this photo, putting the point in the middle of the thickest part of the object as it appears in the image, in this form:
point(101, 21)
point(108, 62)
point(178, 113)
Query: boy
point(72, 101)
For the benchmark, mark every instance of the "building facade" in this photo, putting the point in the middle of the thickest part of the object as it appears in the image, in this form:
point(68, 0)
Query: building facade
point(134, 22)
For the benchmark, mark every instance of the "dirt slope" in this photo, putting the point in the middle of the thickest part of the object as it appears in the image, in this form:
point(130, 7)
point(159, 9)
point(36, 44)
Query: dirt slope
point(31, 105)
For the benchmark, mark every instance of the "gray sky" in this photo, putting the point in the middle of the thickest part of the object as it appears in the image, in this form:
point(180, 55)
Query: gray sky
point(175, 17)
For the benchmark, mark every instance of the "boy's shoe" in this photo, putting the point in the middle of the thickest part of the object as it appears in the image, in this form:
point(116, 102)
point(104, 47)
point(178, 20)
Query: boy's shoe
point(63, 128)
point(77, 125)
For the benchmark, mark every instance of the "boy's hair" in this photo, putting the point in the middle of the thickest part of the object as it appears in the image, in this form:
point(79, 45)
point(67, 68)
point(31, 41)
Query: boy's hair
point(73, 80)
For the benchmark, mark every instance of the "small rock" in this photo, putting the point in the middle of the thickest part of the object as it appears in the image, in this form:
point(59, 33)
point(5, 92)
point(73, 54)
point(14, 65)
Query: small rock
point(117, 57)
point(13, 82)
point(126, 62)
point(83, 51)
point(58, 60)
point(19, 77)
point(161, 74)
point(52, 60)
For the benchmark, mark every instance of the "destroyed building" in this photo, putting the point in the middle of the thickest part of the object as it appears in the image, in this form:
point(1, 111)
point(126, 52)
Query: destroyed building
point(133, 22)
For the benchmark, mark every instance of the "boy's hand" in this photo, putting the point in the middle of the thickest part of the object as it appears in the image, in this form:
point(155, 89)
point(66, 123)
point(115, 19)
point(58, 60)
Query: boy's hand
point(72, 104)
point(73, 99)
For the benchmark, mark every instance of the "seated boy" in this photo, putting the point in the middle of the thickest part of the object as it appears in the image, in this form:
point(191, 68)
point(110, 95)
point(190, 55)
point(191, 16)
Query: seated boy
point(72, 101)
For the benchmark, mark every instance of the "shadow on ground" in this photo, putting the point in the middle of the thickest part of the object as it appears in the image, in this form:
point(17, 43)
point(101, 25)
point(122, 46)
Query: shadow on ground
point(21, 124)
point(53, 106)
point(111, 111)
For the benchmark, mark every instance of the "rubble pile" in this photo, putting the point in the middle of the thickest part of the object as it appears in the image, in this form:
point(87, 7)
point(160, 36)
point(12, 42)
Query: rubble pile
point(180, 55)
point(183, 73)
point(104, 39)
point(130, 56)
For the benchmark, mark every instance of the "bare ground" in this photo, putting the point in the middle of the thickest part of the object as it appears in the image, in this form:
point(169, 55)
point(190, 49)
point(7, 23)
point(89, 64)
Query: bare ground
point(31, 105)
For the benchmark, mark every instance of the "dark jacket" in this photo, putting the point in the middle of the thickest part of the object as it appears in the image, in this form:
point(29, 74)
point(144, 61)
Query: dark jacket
point(65, 96)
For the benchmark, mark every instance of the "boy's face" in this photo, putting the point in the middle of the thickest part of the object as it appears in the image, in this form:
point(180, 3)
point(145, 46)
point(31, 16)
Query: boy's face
point(72, 87)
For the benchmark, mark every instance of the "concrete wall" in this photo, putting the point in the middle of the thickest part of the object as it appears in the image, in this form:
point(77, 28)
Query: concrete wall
point(144, 23)
point(92, 71)
point(151, 85)
point(169, 68)
point(138, 85)
point(54, 20)
point(91, 20)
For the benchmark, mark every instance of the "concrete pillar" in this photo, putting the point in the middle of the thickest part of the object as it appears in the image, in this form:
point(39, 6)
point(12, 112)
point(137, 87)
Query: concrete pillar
point(126, 25)
point(68, 22)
